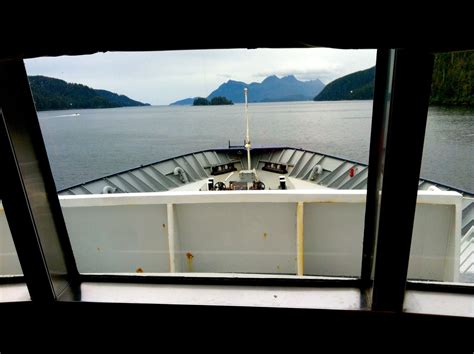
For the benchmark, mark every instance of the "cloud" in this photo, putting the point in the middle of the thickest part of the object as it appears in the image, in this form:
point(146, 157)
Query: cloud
point(167, 76)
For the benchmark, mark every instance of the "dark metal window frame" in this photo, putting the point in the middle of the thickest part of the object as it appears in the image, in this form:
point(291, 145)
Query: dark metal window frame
point(31, 204)
point(402, 88)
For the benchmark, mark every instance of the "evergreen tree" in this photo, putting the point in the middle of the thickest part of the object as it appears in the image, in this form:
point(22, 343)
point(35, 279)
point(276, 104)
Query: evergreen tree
point(453, 79)
point(220, 100)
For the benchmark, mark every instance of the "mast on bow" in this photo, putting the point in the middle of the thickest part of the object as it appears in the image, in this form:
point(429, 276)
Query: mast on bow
point(247, 136)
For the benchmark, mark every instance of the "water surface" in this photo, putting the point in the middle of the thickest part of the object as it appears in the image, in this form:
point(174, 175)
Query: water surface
point(90, 143)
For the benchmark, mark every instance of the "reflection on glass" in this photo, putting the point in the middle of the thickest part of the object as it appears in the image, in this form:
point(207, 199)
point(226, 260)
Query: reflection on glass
point(445, 251)
point(246, 151)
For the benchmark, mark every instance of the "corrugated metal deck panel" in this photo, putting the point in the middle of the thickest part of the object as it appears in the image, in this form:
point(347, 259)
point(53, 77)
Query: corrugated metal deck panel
point(305, 170)
point(335, 173)
point(360, 175)
point(344, 176)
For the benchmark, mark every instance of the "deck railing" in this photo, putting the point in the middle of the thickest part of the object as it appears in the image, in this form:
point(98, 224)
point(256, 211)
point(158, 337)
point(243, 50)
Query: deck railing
point(305, 232)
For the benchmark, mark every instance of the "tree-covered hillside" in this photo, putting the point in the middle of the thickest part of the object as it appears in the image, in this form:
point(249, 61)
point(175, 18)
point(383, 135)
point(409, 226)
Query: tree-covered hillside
point(355, 86)
point(452, 82)
point(50, 94)
point(453, 79)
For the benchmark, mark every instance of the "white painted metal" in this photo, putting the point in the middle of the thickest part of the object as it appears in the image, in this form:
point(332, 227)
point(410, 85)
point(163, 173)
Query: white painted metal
point(300, 238)
point(237, 237)
point(436, 239)
point(171, 226)
point(434, 252)
point(120, 238)
point(247, 232)
point(253, 196)
point(447, 304)
point(14, 293)
point(9, 263)
point(333, 238)
point(215, 295)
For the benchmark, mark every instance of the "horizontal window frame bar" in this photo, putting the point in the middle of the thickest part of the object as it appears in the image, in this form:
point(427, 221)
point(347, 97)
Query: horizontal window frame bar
point(270, 297)
point(12, 279)
point(455, 288)
point(242, 280)
point(314, 282)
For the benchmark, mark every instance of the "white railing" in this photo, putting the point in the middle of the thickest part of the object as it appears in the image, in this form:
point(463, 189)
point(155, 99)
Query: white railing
point(312, 232)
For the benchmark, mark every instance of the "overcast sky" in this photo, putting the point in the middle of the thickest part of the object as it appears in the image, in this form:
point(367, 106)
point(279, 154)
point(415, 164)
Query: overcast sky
point(160, 78)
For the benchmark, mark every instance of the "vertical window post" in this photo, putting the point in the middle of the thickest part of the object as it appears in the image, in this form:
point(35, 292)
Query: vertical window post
point(406, 132)
point(378, 140)
point(29, 194)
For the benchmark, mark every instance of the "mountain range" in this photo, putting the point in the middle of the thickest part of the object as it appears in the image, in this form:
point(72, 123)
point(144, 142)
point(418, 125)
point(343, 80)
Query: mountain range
point(272, 89)
point(452, 85)
point(50, 94)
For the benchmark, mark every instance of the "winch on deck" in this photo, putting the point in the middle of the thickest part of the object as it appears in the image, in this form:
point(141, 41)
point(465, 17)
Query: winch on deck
point(234, 185)
point(222, 168)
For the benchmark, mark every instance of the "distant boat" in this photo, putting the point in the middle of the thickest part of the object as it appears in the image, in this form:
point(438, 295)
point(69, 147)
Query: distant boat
point(67, 115)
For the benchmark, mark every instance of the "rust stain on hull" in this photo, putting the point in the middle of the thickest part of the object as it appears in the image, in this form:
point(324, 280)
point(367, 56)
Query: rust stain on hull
point(189, 257)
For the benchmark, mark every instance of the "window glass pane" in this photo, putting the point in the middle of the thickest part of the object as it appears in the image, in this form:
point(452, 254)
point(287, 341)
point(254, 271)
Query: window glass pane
point(309, 113)
point(9, 264)
point(442, 246)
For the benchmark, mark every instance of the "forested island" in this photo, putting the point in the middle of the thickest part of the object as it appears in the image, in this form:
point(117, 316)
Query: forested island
point(215, 101)
point(51, 94)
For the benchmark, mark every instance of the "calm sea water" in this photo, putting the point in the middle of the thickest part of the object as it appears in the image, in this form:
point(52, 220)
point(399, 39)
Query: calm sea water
point(98, 142)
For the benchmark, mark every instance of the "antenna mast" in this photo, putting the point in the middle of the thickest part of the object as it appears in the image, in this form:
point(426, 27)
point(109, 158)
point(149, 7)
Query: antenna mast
point(247, 136)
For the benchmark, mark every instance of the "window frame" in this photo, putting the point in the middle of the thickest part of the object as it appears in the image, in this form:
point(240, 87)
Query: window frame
point(403, 78)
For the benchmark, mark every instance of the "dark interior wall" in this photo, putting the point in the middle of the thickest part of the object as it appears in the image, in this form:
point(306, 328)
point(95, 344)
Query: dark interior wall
point(200, 328)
